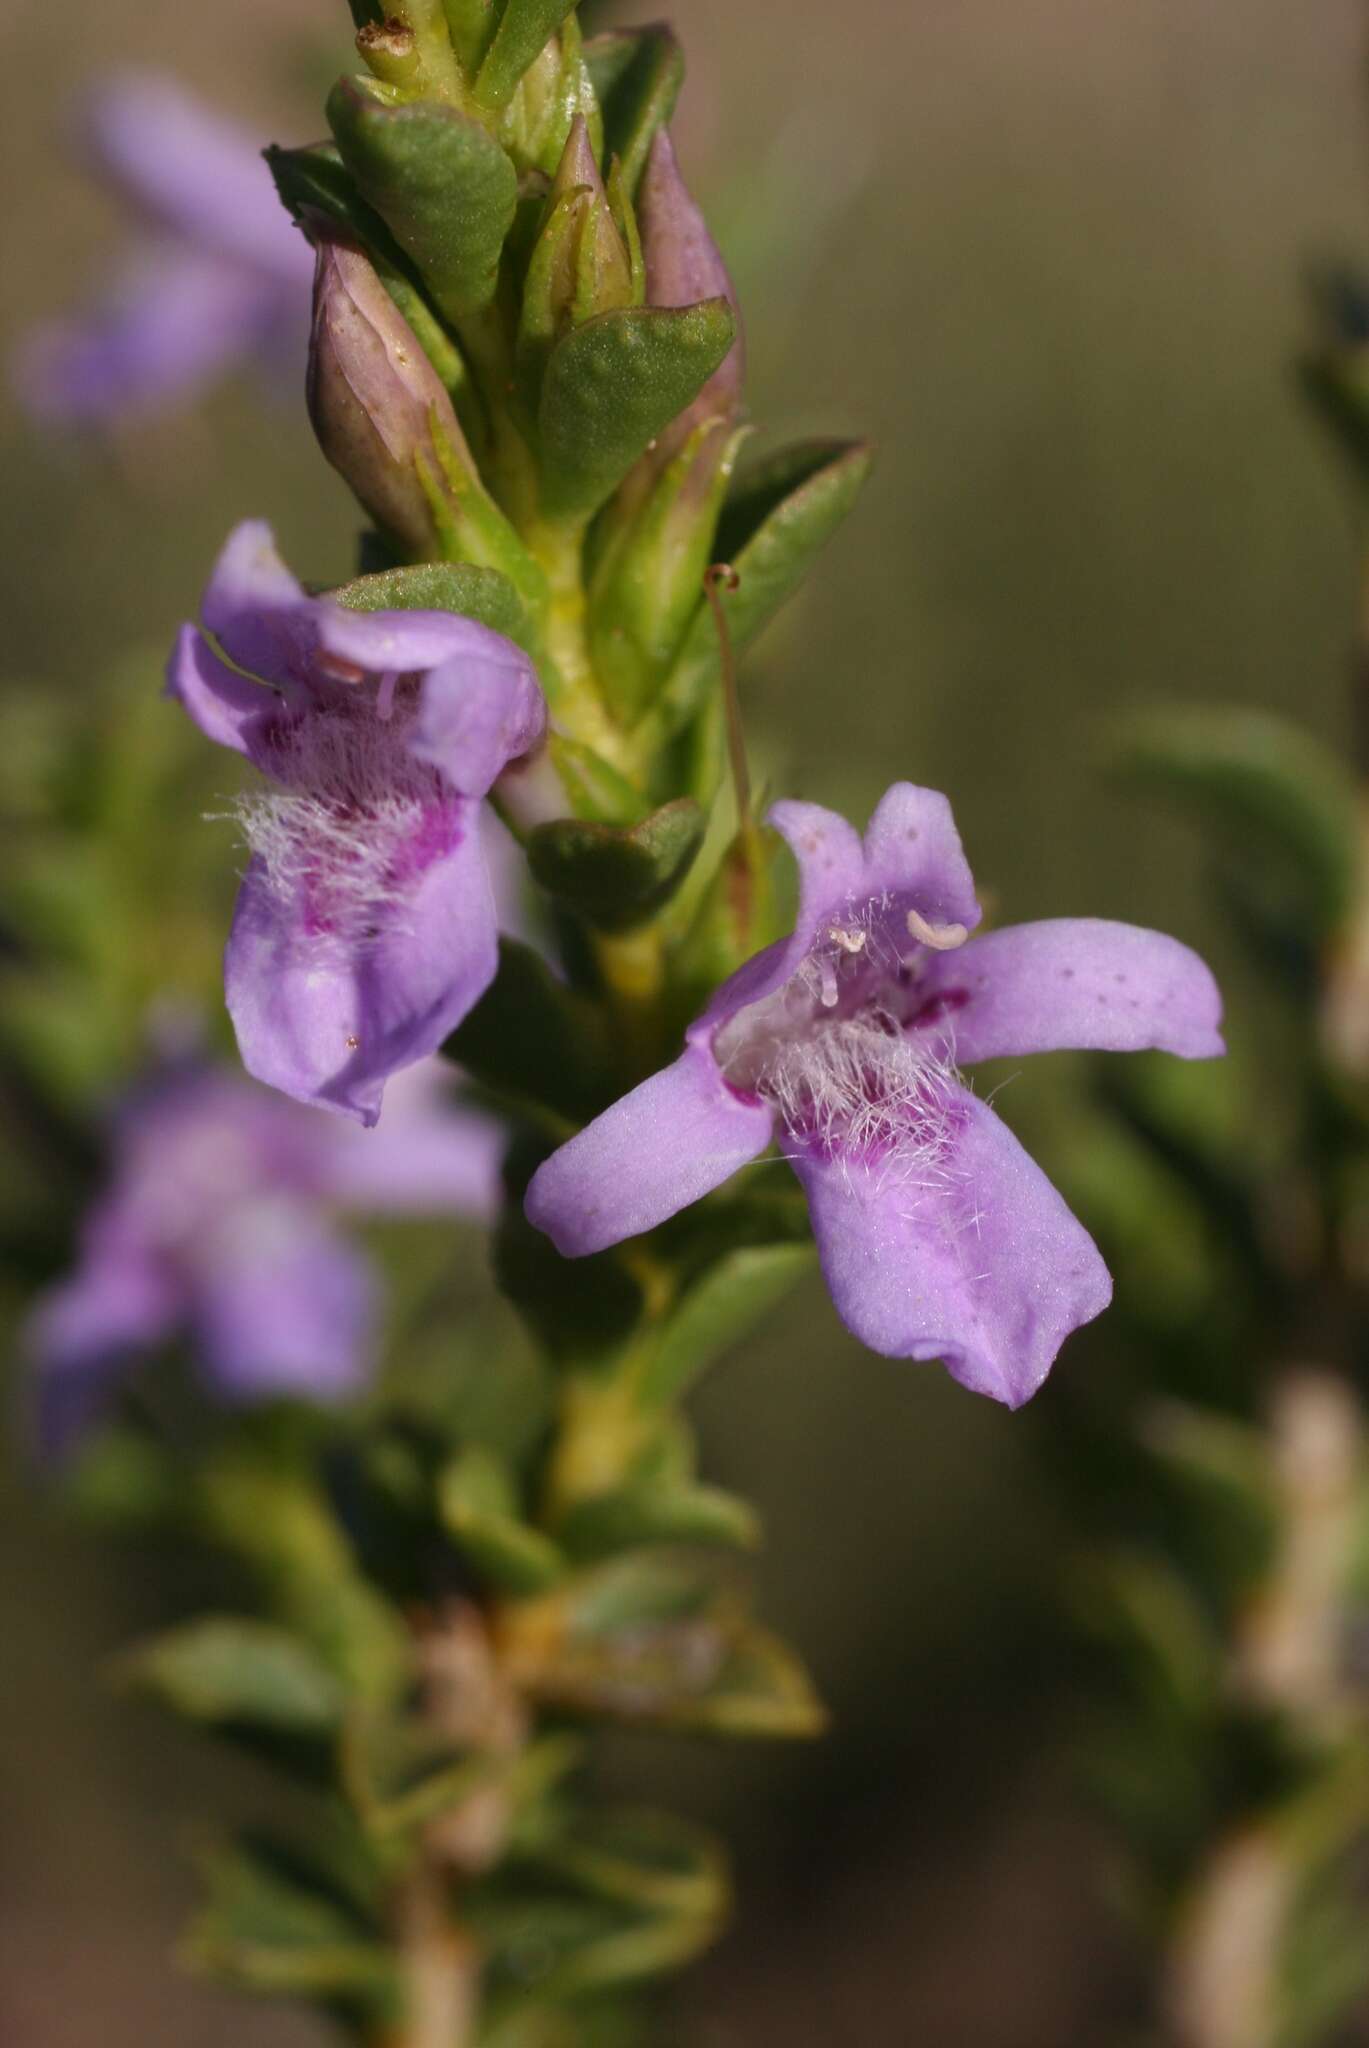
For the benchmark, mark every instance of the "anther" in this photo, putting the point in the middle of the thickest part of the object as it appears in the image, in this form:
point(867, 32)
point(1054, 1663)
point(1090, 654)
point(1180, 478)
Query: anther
point(852, 942)
point(942, 938)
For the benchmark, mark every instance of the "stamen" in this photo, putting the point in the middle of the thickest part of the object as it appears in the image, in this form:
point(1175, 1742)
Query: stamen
point(942, 938)
point(849, 941)
point(385, 695)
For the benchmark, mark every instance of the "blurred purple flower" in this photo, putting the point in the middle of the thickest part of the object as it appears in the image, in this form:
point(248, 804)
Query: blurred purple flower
point(217, 275)
point(365, 927)
point(217, 1224)
point(939, 1237)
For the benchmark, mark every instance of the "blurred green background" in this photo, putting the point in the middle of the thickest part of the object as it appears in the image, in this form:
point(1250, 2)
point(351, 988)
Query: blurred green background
point(1047, 256)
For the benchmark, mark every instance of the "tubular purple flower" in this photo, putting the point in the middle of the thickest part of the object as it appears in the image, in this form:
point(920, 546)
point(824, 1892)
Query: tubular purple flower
point(365, 927)
point(217, 1224)
point(219, 275)
point(938, 1235)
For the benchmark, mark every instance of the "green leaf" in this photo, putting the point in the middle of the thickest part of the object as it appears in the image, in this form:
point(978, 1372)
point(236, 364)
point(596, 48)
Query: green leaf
point(234, 1671)
point(266, 1930)
point(637, 76)
point(612, 385)
point(525, 28)
point(441, 183)
point(478, 1502)
point(616, 876)
point(475, 593)
point(719, 1310)
point(777, 517)
point(529, 1031)
point(762, 1690)
point(662, 1638)
point(652, 1512)
point(1272, 788)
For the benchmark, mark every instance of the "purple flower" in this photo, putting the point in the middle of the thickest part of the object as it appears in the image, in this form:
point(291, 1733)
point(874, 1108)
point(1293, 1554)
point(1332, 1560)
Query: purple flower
point(939, 1237)
point(365, 928)
point(218, 275)
point(217, 1224)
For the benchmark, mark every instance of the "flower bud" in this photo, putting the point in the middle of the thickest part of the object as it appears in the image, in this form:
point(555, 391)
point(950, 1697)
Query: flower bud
point(374, 398)
point(684, 265)
point(579, 265)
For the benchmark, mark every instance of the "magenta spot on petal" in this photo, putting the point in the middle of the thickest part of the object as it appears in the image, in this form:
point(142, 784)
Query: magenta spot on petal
point(944, 1003)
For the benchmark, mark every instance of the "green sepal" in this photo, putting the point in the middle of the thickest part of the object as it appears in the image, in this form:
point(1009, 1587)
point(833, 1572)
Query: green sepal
point(649, 574)
point(616, 876)
point(477, 1500)
point(441, 183)
point(529, 1032)
point(1280, 798)
point(612, 385)
point(778, 514)
point(485, 595)
point(637, 76)
point(470, 24)
point(594, 788)
point(552, 91)
point(525, 29)
point(236, 1672)
point(717, 1311)
point(265, 1927)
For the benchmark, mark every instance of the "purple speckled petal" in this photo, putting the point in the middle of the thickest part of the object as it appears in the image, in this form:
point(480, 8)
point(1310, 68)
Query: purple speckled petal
point(281, 1305)
point(831, 866)
point(1080, 982)
point(174, 321)
point(977, 1262)
point(675, 1138)
point(428, 1156)
point(912, 848)
point(226, 706)
point(188, 169)
point(253, 605)
point(477, 715)
point(329, 1025)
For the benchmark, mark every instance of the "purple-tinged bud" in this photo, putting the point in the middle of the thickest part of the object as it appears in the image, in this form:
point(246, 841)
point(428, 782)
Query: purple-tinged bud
point(377, 404)
point(684, 265)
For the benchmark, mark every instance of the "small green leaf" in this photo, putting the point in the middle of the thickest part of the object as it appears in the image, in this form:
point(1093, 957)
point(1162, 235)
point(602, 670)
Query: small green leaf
point(441, 183)
point(612, 385)
point(234, 1671)
point(264, 1929)
point(616, 876)
point(654, 1513)
point(1277, 792)
point(730, 1299)
point(478, 1503)
point(475, 593)
point(637, 76)
point(777, 516)
point(761, 1690)
point(525, 28)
